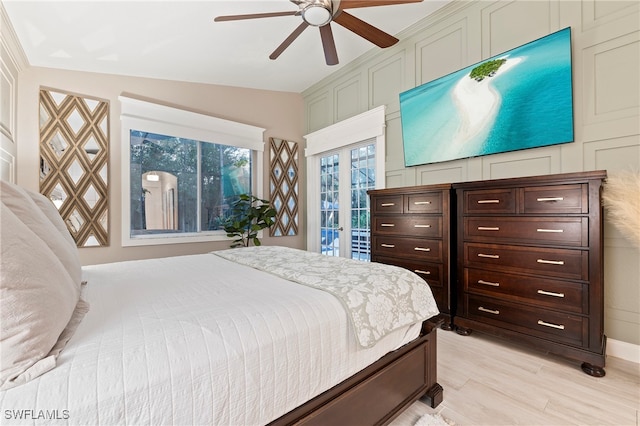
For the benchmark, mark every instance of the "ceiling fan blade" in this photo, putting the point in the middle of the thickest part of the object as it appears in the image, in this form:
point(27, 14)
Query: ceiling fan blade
point(352, 4)
point(365, 30)
point(287, 41)
point(329, 45)
point(254, 16)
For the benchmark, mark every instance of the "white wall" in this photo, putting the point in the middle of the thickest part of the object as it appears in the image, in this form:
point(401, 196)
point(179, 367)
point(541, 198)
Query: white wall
point(278, 112)
point(606, 87)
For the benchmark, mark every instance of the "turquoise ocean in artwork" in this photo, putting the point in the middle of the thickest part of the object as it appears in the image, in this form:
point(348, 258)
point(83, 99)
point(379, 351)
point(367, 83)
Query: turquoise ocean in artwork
point(533, 99)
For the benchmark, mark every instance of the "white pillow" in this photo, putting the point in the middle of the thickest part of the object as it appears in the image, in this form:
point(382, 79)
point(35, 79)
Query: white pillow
point(46, 222)
point(52, 213)
point(40, 274)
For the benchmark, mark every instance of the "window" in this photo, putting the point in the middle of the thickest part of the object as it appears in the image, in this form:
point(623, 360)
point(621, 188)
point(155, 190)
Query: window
point(181, 170)
point(182, 185)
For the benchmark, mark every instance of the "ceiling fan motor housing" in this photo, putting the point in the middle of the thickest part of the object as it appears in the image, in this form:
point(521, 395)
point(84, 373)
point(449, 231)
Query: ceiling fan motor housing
point(317, 12)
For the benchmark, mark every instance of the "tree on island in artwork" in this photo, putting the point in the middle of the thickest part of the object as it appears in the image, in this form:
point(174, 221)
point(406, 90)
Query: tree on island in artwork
point(487, 69)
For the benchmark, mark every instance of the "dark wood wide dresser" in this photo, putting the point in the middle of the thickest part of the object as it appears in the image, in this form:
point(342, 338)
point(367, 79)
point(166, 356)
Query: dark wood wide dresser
point(530, 262)
point(410, 227)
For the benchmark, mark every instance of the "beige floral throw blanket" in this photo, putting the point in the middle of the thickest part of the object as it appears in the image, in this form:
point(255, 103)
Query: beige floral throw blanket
point(379, 298)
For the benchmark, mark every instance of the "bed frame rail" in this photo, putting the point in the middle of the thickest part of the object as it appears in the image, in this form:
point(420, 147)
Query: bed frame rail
point(380, 392)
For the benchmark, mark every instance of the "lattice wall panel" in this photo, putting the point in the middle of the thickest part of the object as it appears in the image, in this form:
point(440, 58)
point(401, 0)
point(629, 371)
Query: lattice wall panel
point(283, 186)
point(74, 159)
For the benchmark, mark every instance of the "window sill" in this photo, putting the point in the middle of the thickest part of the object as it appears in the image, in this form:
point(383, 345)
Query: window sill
point(165, 239)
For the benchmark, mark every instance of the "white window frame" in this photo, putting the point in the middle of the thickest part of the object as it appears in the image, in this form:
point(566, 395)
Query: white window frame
point(368, 125)
point(160, 119)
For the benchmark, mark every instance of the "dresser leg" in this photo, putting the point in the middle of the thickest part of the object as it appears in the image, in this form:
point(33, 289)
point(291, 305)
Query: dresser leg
point(447, 326)
point(593, 370)
point(463, 331)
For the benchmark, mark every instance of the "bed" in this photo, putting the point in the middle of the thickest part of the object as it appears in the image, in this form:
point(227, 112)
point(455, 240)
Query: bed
point(264, 335)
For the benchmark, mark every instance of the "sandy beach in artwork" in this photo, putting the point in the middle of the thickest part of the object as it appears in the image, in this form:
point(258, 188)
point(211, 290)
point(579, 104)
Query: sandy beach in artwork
point(477, 103)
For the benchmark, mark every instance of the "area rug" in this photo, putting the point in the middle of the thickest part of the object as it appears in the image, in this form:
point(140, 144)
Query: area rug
point(433, 420)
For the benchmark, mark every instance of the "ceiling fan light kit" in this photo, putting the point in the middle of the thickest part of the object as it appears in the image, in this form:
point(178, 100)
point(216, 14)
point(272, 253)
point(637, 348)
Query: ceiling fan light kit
point(320, 13)
point(316, 14)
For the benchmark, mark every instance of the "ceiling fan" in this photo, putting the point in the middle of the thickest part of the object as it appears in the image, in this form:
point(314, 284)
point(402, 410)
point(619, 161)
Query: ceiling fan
point(320, 13)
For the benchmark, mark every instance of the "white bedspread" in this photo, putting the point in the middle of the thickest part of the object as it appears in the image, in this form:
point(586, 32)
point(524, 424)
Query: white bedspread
point(379, 298)
point(194, 340)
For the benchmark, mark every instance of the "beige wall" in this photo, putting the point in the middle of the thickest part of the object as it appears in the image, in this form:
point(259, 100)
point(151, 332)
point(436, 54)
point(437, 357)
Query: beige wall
point(280, 113)
point(606, 76)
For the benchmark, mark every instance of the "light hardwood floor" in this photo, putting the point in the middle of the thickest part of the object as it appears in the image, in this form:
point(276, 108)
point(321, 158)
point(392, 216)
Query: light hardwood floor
point(487, 381)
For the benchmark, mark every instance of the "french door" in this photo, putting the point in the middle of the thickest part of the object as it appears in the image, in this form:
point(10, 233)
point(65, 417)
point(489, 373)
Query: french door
point(345, 177)
point(344, 161)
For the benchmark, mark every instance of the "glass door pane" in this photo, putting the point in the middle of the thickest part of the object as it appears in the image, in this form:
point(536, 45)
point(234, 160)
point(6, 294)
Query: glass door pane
point(329, 205)
point(363, 178)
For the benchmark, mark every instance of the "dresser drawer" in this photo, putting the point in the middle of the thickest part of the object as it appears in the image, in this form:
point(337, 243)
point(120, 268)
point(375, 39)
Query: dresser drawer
point(556, 199)
point(560, 295)
point(430, 272)
point(408, 248)
point(411, 225)
point(386, 204)
point(573, 231)
point(424, 203)
point(490, 201)
point(557, 263)
point(546, 324)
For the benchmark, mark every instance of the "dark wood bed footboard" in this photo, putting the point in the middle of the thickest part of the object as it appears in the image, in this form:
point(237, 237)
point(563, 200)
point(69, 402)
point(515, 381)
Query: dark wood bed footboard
point(377, 394)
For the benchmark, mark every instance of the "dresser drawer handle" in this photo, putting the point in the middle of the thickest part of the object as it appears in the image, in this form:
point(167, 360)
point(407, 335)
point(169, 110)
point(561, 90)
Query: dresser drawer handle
point(420, 271)
point(421, 203)
point(388, 225)
point(387, 204)
point(550, 230)
point(422, 249)
point(544, 199)
point(550, 293)
point(489, 283)
point(548, 324)
point(388, 245)
point(489, 311)
point(488, 201)
point(488, 228)
point(551, 262)
point(490, 256)
point(421, 226)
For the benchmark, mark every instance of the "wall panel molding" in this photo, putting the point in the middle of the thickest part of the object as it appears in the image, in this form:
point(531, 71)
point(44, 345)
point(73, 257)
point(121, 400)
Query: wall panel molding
point(12, 61)
point(605, 65)
point(319, 110)
point(597, 13)
point(348, 98)
point(606, 153)
point(442, 52)
point(525, 166)
point(386, 81)
point(506, 25)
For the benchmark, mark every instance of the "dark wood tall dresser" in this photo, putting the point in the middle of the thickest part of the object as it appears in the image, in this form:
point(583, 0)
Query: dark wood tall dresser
point(530, 263)
point(411, 228)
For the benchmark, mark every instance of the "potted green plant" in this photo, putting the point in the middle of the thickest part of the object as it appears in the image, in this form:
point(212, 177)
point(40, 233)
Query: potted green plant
point(248, 215)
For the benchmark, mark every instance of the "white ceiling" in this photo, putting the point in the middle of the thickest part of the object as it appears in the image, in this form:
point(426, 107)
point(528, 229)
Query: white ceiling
point(178, 40)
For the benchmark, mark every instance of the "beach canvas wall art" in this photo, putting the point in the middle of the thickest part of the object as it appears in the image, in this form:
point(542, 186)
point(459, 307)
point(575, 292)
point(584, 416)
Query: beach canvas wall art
point(516, 100)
